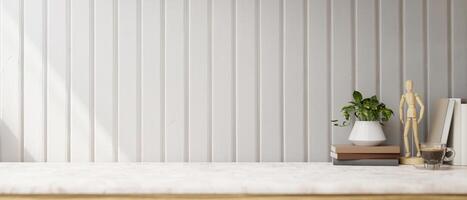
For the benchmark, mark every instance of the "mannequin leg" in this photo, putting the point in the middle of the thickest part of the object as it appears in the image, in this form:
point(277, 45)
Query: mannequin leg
point(415, 134)
point(406, 137)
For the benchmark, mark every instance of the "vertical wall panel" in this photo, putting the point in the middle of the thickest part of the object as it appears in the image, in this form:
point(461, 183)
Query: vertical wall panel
point(341, 64)
point(127, 81)
point(366, 49)
point(246, 80)
point(81, 69)
point(223, 73)
point(414, 51)
point(151, 81)
point(270, 91)
point(34, 80)
point(459, 48)
point(318, 80)
point(294, 80)
point(199, 126)
point(391, 65)
point(58, 72)
point(105, 79)
point(11, 86)
point(175, 69)
point(437, 54)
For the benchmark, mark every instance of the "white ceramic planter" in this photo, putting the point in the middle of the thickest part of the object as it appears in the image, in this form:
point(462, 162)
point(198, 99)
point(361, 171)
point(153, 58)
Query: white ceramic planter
point(367, 133)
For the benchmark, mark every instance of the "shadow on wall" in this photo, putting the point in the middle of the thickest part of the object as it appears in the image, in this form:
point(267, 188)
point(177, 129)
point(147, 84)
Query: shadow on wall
point(10, 152)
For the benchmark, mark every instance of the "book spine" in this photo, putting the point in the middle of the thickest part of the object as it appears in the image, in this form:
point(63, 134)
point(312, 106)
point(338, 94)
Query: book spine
point(456, 131)
point(353, 156)
point(369, 150)
point(367, 162)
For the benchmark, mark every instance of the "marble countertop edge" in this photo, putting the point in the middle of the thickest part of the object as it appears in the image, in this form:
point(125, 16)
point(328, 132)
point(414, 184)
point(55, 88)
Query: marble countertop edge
point(225, 179)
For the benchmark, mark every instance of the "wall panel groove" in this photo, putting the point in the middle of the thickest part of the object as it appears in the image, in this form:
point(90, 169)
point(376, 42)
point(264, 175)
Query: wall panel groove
point(209, 79)
point(45, 77)
point(425, 73)
point(234, 80)
point(21, 83)
point(162, 82)
point(449, 44)
point(92, 80)
point(282, 88)
point(222, 81)
point(138, 81)
point(305, 82)
point(258, 80)
point(186, 79)
point(378, 47)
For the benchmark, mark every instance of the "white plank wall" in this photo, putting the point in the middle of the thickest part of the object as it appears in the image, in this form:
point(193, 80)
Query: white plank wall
point(213, 80)
point(223, 80)
point(151, 73)
point(200, 82)
point(58, 81)
point(11, 83)
point(319, 12)
point(81, 82)
point(271, 87)
point(247, 80)
point(105, 79)
point(128, 81)
point(175, 77)
point(34, 83)
point(294, 84)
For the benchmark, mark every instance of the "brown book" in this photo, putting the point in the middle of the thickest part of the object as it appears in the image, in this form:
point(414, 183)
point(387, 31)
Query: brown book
point(354, 156)
point(348, 148)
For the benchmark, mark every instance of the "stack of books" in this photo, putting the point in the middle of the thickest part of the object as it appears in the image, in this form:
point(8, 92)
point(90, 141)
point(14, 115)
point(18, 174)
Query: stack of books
point(347, 154)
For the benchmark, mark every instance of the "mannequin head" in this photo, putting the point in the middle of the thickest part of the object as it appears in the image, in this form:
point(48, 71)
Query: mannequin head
point(409, 85)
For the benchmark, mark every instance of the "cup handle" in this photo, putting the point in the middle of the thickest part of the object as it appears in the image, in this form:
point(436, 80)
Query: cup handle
point(451, 157)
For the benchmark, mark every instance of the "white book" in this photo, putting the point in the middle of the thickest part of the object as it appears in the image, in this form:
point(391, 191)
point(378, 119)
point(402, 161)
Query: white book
point(440, 121)
point(448, 121)
point(464, 134)
point(455, 135)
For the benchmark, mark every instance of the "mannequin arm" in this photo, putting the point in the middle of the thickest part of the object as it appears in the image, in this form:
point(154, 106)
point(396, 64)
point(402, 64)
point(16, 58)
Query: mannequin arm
point(401, 109)
point(422, 107)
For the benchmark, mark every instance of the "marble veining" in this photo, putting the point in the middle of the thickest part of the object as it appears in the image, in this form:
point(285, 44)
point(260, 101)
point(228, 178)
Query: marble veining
point(226, 178)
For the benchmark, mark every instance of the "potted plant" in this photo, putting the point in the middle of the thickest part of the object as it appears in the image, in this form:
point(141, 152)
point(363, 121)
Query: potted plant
point(370, 115)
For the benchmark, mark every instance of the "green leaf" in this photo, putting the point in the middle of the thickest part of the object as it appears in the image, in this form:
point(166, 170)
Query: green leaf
point(357, 96)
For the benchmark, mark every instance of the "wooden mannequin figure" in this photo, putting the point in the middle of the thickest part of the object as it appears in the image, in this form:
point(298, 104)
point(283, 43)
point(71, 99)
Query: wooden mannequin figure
point(411, 120)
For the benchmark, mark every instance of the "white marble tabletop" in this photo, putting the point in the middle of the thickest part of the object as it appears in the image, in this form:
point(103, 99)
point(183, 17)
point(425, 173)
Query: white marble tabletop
point(226, 178)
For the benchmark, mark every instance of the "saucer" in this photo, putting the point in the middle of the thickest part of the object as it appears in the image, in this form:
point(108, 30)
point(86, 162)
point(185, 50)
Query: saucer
point(442, 167)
